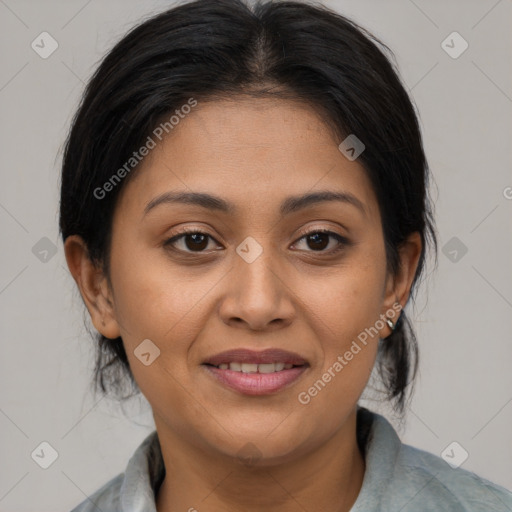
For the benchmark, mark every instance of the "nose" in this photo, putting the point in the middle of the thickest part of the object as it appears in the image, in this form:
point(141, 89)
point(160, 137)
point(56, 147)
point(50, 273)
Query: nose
point(259, 295)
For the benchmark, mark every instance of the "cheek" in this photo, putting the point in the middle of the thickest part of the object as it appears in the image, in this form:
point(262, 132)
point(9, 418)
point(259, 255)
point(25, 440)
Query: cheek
point(349, 301)
point(155, 300)
point(345, 312)
point(154, 303)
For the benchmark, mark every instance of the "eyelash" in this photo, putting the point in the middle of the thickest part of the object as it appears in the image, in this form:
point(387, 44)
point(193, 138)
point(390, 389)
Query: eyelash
point(343, 242)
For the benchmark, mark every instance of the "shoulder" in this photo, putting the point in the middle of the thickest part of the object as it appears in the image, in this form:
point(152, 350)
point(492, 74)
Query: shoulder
point(135, 488)
point(106, 499)
point(435, 482)
point(401, 477)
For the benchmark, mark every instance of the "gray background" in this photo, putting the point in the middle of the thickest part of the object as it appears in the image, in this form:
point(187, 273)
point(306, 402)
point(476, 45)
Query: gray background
point(464, 390)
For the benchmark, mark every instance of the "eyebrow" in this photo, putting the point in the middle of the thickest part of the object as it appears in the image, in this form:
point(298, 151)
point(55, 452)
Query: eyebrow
point(290, 204)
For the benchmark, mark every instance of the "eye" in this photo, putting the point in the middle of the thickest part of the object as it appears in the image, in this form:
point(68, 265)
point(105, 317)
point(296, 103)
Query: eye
point(191, 240)
point(318, 240)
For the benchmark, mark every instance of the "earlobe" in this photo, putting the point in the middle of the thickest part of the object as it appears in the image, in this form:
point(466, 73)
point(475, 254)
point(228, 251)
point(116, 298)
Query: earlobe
point(93, 285)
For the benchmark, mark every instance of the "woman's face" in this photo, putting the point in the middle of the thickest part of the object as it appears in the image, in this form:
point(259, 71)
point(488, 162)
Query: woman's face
point(251, 281)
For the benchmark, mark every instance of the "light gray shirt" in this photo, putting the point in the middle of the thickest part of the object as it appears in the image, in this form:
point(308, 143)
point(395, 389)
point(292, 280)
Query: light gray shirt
point(397, 478)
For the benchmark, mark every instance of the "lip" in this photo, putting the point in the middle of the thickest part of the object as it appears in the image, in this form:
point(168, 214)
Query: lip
point(256, 383)
point(270, 355)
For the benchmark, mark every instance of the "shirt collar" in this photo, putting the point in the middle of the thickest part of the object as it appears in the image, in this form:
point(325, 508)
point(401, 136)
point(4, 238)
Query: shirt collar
point(382, 447)
point(143, 476)
point(380, 443)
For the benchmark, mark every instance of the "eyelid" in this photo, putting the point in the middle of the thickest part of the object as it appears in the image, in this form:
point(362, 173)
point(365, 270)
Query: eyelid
point(187, 230)
point(320, 229)
point(342, 240)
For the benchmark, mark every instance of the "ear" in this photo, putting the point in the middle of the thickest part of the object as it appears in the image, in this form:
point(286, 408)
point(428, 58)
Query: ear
point(398, 287)
point(93, 285)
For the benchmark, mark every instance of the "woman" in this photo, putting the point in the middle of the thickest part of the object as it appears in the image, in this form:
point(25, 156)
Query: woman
point(244, 208)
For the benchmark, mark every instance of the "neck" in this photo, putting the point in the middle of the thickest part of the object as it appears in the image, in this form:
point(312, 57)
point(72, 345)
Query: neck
point(328, 478)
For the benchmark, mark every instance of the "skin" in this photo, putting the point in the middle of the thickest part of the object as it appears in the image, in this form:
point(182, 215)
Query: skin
point(294, 296)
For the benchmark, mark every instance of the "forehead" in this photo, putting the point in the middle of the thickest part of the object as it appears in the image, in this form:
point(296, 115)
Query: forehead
point(251, 152)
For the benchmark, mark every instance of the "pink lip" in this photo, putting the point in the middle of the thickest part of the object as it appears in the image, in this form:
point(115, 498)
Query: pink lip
point(241, 355)
point(256, 383)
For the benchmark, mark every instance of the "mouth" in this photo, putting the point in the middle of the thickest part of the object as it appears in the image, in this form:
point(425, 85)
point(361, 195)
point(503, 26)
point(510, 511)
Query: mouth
point(255, 367)
point(256, 373)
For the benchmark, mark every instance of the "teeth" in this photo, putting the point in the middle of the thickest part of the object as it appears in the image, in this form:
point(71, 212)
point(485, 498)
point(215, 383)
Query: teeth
point(249, 368)
point(267, 368)
point(255, 368)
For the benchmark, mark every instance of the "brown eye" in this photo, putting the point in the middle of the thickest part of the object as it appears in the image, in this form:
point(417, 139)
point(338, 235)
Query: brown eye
point(189, 241)
point(319, 240)
point(196, 241)
point(316, 241)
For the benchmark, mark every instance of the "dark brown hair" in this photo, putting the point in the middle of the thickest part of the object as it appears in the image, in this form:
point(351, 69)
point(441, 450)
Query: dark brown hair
point(221, 48)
